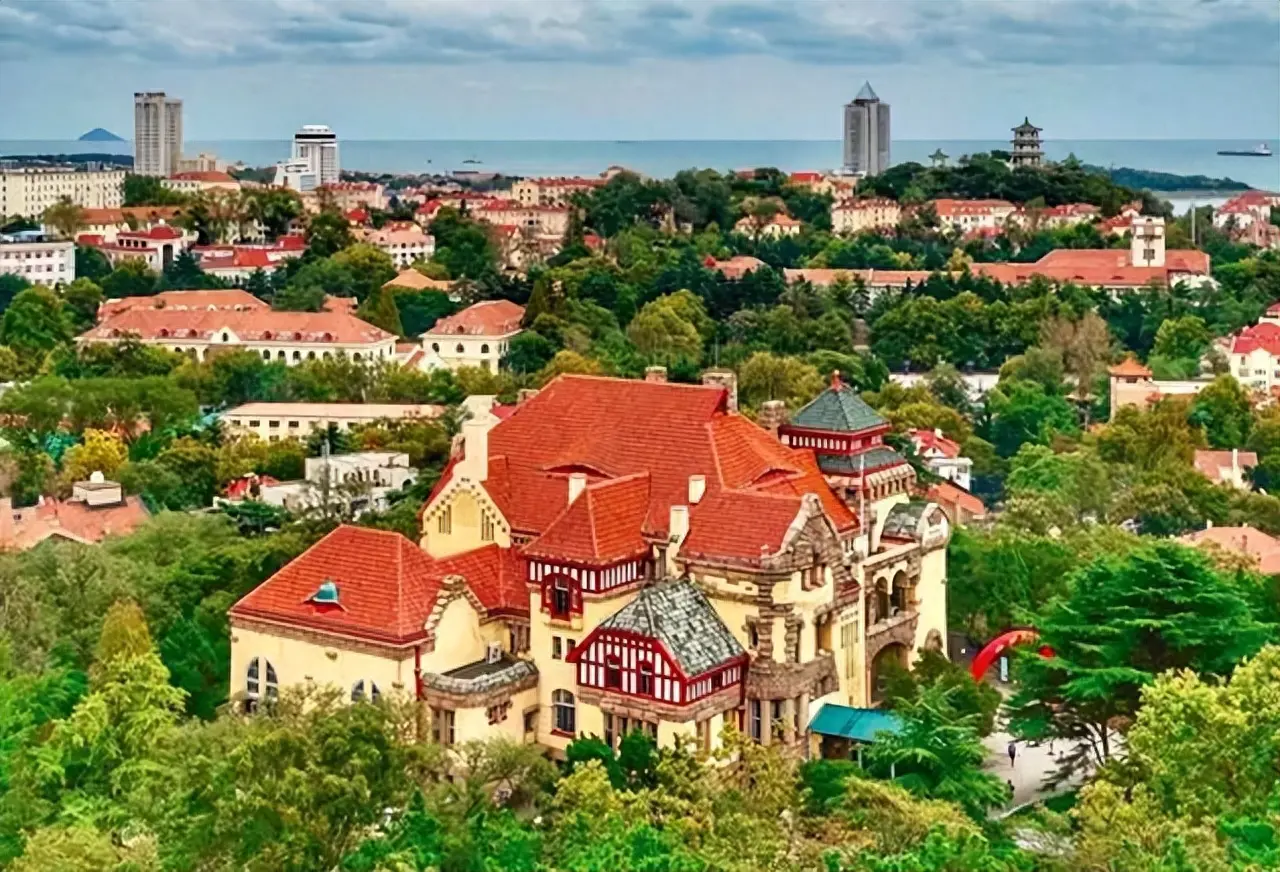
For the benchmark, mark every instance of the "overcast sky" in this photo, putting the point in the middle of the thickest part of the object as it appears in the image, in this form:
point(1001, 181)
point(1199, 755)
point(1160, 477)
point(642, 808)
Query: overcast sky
point(648, 69)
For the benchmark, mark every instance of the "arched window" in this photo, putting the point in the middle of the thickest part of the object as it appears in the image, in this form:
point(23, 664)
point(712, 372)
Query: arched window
point(460, 349)
point(374, 693)
point(226, 337)
point(280, 354)
point(255, 688)
point(311, 355)
point(297, 355)
point(266, 355)
point(613, 673)
point(357, 691)
point(355, 356)
point(563, 712)
point(484, 349)
point(435, 346)
point(645, 683)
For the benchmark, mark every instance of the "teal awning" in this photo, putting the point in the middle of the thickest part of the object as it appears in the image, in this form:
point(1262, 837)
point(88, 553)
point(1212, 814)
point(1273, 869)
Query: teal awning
point(857, 724)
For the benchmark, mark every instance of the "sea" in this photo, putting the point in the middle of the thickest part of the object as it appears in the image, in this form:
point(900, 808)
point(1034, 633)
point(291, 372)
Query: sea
point(664, 158)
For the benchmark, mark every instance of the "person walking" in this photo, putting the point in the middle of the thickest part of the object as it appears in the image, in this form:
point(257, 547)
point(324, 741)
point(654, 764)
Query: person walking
point(1013, 752)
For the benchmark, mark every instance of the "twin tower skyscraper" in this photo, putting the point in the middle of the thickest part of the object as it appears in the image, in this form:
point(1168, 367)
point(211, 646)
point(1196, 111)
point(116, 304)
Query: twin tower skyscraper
point(866, 134)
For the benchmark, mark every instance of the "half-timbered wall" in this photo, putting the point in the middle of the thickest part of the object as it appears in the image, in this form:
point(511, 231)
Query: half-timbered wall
point(590, 580)
point(624, 657)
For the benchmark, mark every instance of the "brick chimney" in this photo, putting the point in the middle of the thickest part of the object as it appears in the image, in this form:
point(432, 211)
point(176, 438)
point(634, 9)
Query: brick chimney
point(655, 374)
point(773, 414)
point(727, 379)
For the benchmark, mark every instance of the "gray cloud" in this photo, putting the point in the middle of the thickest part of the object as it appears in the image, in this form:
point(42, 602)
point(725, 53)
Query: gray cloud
point(821, 32)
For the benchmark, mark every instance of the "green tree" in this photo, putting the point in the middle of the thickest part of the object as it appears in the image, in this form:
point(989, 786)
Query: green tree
point(148, 191)
point(327, 233)
point(34, 324)
point(380, 310)
point(275, 208)
point(765, 376)
point(65, 217)
point(370, 267)
point(130, 279)
point(1181, 338)
point(664, 331)
point(1223, 410)
point(937, 754)
point(1025, 413)
point(81, 299)
point(1123, 620)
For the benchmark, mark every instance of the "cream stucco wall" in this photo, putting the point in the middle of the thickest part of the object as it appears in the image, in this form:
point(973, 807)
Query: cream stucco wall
point(299, 662)
point(931, 592)
point(464, 503)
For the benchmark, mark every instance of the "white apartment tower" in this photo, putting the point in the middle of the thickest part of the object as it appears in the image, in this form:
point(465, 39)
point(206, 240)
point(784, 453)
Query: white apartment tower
point(317, 144)
point(866, 134)
point(157, 133)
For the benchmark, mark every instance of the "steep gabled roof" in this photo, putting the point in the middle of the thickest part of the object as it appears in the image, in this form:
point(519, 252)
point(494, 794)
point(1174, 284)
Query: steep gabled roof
point(495, 575)
point(678, 615)
point(605, 524)
point(838, 409)
point(386, 588)
point(486, 318)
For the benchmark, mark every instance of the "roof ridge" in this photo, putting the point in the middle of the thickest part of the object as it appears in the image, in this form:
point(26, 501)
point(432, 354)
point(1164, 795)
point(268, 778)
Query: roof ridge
point(591, 521)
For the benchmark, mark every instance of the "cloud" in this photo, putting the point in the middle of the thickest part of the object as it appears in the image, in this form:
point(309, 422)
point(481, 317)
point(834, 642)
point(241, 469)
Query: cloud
point(1236, 33)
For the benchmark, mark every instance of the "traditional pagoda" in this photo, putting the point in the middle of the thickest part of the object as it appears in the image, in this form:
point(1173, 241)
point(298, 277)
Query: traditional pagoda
point(847, 436)
point(939, 158)
point(1026, 145)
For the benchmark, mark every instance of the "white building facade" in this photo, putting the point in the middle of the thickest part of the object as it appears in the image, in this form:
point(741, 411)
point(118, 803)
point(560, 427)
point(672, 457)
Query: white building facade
point(28, 192)
point(274, 421)
point(37, 258)
point(317, 145)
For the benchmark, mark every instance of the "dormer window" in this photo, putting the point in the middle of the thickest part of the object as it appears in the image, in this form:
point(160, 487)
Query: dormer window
point(326, 594)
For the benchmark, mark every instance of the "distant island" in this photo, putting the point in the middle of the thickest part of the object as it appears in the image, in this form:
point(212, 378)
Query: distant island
point(100, 135)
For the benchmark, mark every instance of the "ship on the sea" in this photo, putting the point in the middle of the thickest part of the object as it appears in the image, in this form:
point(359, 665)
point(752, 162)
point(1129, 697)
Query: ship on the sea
point(1259, 150)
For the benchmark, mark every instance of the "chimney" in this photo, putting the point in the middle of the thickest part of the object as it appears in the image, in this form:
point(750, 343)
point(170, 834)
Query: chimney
point(475, 446)
point(577, 484)
point(655, 374)
point(1235, 466)
point(773, 414)
point(677, 530)
point(727, 379)
point(697, 487)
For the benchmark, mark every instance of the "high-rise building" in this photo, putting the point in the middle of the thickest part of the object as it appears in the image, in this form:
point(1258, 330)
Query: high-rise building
point(866, 134)
point(157, 133)
point(317, 144)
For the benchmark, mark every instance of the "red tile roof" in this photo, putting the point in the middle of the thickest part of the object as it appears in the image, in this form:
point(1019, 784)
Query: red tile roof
point(228, 299)
point(255, 325)
point(1247, 541)
point(1130, 367)
point(387, 588)
point(604, 525)
point(931, 440)
point(805, 177)
point(487, 318)
point(142, 214)
point(951, 496)
point(1264, 335)
point(25, 528)
point(1213, 464)
point(662, 432)
point(495, 575)
point(159, 232)
point(949, 208)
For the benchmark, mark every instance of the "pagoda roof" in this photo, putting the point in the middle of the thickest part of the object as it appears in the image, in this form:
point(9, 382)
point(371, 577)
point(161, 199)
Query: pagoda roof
point(838, 409)
point(1026, 126)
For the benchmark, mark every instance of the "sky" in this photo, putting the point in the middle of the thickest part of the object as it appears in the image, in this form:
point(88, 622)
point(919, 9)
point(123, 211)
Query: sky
point(644, 69)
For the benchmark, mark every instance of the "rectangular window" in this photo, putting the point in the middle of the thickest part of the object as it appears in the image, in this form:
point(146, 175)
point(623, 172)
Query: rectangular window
point(570, 644)
point(442, 726)
point(486, 527)
point(251, 423)
point(531, 722)
point(644, 684)
point(293, 425)
point(753, 634)
point(273, 424)
point(557, 651)
point(793, 649)
point(775, 715)
point(754, 725)
point(704, 736)
point(498, 713)
point(608, 729)
point(444, 523)
point(613, 675)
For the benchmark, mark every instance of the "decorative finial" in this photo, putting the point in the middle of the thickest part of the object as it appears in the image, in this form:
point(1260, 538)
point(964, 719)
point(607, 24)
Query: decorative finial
point(836, 383)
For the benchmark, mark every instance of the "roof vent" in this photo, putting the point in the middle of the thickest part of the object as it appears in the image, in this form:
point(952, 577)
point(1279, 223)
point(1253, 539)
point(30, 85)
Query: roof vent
point(326, 594)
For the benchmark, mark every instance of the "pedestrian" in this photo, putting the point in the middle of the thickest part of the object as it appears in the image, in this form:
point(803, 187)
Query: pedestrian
point(1013, 752)
point(1009, 781)
point(1051, 747)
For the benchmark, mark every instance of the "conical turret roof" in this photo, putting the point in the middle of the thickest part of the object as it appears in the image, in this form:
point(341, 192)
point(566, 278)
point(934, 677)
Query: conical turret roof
point(866, 93)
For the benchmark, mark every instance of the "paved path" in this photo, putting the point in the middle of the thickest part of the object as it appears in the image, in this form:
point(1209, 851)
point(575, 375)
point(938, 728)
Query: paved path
point(1027, 772)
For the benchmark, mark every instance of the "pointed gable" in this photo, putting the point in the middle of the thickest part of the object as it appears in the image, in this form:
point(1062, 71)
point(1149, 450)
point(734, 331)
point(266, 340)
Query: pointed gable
point(603, 525)
point(678, 615)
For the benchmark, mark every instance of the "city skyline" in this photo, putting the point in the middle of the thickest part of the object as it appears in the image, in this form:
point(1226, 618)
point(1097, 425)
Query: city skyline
point(633, 70)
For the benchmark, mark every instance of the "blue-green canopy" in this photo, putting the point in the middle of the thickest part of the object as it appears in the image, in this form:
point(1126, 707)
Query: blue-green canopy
point(857, 724)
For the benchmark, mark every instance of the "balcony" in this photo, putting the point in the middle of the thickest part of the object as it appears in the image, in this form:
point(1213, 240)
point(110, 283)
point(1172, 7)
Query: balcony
point(476, 684)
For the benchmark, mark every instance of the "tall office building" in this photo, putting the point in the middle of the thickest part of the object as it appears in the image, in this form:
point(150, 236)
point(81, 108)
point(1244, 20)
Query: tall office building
point(157, 133)
point(317, 144)
point(866, 134)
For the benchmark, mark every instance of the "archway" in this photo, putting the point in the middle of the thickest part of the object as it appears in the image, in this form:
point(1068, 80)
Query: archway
point(890, 656)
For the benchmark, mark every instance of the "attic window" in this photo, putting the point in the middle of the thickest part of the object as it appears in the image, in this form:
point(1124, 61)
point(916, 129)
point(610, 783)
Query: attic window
point(326, 594)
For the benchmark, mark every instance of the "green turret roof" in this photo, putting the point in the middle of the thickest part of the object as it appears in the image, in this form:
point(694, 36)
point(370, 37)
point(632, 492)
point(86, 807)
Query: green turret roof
point(838, 409)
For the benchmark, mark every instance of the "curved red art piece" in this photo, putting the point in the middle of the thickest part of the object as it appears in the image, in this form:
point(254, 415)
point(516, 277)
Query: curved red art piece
point(999, 645)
